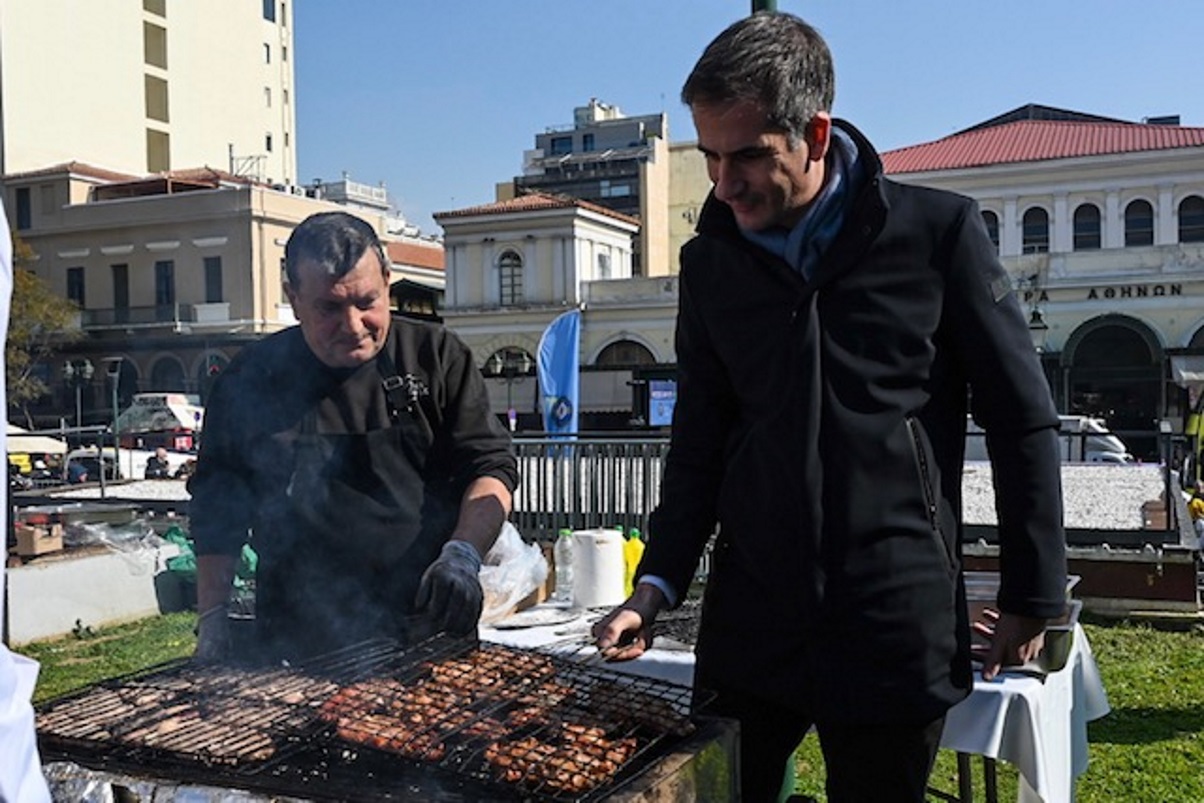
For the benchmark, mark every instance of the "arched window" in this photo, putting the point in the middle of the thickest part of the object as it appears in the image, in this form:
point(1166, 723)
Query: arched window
point(1191, 219)
point(1035, 231)
point(1086, 228)
point(991, 220)
point(1139, 223)
point(510, 272)
point(168, 375)
point(624, 353)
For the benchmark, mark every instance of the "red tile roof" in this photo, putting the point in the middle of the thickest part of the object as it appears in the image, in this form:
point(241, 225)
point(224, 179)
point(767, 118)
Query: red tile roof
point(415, 254)
point(77, 168)
point(206, 174)
point(1038, 140)
point(533, 202)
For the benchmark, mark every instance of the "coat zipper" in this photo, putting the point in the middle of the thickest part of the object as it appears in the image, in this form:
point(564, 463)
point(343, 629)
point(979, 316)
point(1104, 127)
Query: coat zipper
point(917, 448)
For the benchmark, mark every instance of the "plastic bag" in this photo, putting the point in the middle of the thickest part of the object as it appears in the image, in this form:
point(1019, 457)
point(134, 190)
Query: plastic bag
point(511, 571)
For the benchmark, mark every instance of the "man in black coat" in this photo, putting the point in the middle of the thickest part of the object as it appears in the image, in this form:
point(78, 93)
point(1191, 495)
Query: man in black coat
point(357, 454)
point(834, 330)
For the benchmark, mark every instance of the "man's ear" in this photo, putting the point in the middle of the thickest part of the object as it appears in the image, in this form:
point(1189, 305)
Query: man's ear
point(819, 136)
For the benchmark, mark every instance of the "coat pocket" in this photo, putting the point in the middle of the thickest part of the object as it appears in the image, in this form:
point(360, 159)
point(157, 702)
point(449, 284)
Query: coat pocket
point(924, 462)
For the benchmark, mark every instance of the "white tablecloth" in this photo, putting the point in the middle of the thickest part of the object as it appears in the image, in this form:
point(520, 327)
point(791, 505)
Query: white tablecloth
point(20, 772)
point(1038, 726)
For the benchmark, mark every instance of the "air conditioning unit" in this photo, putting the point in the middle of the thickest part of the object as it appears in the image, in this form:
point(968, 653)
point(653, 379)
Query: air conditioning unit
point(295, 190)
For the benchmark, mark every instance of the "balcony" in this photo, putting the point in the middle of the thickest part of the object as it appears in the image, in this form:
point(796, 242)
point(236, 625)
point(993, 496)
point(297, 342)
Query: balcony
point(160, 316)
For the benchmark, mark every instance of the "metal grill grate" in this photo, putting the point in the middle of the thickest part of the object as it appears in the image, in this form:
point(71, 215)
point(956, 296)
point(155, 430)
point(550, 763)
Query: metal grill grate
point(516, 722)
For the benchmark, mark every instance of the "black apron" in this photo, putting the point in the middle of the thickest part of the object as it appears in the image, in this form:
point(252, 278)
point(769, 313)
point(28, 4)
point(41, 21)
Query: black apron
point(343, 546)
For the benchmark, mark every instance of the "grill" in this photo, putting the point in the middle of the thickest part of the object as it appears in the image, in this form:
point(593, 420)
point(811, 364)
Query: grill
point(446, 719)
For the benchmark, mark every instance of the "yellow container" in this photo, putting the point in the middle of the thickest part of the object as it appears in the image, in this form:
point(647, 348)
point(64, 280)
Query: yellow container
point(633, 550)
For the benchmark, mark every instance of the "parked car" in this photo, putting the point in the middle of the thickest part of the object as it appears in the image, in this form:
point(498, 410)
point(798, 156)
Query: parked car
point(1084, 440)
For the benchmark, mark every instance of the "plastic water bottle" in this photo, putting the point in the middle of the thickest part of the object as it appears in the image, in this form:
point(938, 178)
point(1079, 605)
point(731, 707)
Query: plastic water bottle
point(562, 556)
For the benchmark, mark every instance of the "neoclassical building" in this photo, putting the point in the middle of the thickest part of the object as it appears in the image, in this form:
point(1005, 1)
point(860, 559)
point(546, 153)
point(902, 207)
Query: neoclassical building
point(1099, 221)
point(1101, 224)
point(514, 265)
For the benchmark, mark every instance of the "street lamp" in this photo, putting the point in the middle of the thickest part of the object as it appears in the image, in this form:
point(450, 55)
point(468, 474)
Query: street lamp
point(512, 365)
point(76, 374)
point(113, 372)
point(1033, 295)
point(1038, 329)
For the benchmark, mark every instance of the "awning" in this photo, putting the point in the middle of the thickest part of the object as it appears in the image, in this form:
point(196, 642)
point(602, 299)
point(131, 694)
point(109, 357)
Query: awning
point(1188, 369)
point(601, 392)
point(20, 441)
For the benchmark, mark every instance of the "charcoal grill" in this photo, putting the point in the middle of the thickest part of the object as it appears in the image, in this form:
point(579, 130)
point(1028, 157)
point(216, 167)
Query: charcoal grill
point(315, 730)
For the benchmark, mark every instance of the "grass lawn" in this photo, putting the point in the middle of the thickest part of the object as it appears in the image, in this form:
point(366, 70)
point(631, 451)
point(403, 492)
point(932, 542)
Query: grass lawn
point(85, 658)
point(1150, 748)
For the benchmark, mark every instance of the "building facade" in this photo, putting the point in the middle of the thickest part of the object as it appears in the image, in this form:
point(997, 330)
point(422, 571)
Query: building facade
point(612, 160)
point(173, 273)
point(146, 86)
point(513, 266)
point(1100, 222)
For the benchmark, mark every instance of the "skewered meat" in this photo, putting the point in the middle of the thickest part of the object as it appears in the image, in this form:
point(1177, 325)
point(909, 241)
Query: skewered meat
point(210, 714)
point(579, 758)
point(387, 733)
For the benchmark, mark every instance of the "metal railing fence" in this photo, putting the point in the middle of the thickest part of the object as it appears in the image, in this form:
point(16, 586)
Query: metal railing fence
point(614, 480)
point(591, 481)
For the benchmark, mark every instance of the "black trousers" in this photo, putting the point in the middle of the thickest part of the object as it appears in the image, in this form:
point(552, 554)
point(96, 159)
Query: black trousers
point(865, 763)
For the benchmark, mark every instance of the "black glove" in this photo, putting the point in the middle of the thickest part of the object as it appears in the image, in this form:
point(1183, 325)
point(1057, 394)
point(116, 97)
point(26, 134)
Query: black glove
point(450, 592)
point(212, 635)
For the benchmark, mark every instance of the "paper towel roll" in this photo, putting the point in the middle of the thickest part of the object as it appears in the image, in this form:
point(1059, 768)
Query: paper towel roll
point(597, 568)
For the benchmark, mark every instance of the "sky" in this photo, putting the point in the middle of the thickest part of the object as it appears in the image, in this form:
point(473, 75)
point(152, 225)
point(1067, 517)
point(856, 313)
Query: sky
point(439, 100)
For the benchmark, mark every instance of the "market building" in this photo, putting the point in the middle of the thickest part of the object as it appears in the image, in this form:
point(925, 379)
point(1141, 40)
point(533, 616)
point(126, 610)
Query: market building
point(1100, 222)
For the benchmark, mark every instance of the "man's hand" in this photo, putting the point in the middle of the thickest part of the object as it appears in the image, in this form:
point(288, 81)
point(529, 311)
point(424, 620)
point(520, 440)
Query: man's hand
point(626, 632)
point(450, 592)
point(1014, 640)
point(212, 635)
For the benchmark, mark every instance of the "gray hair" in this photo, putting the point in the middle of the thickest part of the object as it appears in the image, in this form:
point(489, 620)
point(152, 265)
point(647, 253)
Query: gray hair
point(335, 242)
point(772, 59)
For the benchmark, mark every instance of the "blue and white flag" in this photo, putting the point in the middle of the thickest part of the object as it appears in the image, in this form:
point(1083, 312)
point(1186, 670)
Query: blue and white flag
point(558, 363)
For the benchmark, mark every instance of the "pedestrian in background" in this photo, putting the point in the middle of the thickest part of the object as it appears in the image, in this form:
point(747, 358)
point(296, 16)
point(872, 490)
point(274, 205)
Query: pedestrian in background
point(834, 329)
point(157, 466)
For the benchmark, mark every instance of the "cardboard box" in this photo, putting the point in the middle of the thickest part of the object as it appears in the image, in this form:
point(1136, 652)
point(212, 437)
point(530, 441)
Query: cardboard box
point(35, 540)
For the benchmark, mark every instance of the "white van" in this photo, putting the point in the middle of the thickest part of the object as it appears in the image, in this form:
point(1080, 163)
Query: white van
point(1084, 440)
